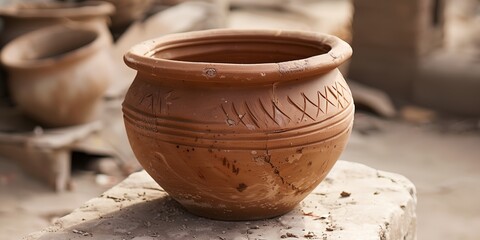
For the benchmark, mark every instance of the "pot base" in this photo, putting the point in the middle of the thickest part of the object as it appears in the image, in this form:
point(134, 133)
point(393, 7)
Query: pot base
point(222, 214)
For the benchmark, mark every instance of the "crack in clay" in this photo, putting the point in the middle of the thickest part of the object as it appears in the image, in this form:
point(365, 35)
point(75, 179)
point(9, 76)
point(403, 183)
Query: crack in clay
point(267, 159)
point(334, 57)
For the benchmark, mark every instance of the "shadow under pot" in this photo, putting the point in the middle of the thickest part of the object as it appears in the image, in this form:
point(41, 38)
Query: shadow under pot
point(58, 75)
point(239, 124)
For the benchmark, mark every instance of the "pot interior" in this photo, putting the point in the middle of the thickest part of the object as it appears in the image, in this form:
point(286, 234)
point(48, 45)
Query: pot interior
point(52, 44)
point(242, 50)
point(56, 9)
point(47, 6)
point(42, 6)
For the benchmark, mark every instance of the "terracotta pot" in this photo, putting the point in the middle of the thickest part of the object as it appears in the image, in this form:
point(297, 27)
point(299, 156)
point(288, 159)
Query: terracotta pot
point(127, 11)
point(26, 17)
point(239, 124)
point(57, 75)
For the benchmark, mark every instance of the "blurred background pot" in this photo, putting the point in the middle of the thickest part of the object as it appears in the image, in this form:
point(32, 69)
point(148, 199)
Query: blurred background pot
point(127, 11)
point(58, 74)
point(239, 124)
point(25, 17)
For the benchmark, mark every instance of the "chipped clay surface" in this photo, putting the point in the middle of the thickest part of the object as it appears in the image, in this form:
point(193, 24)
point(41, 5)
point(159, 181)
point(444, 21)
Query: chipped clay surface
point(353, 202)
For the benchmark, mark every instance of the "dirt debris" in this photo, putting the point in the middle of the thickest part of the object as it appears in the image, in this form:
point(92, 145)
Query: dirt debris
point(83, 233)
point(344, 194)
point(310, 235)
point(289, 235)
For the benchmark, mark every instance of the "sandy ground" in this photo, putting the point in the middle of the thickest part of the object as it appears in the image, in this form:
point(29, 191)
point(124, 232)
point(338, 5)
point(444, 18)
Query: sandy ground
point(443, 162)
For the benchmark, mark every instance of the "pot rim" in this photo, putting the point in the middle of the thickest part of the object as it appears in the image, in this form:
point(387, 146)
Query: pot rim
point(76, 54)
point(57, 9)
point(140, 57)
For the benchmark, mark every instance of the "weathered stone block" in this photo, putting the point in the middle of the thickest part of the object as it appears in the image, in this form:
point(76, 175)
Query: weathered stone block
point(353, 202)
point(394, 37)
point(391, 70)
point(450, 83)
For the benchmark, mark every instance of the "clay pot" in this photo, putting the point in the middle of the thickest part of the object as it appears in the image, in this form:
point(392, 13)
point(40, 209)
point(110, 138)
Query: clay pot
point(239, 124)
point(127, 11)
point(57, 75)
point(26, 17)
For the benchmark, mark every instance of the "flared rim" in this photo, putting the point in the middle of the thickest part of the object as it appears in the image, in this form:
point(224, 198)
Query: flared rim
point(12, 60)
point(142, 57)
point(58, 9)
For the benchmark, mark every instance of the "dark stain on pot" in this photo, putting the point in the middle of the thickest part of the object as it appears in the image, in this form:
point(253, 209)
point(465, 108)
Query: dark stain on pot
point(235, 169)
point(241, 187)
point(226, 163)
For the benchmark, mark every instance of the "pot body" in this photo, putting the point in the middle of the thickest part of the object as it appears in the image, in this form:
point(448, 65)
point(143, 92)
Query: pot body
point(54, 87)
point(238, 151)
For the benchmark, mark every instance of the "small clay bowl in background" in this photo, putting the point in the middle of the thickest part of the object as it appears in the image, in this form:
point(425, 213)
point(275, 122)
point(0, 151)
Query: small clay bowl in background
point(22, 18)
point(58, 75)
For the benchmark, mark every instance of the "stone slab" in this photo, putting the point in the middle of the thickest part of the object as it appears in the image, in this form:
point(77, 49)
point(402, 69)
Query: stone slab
point(379, 205)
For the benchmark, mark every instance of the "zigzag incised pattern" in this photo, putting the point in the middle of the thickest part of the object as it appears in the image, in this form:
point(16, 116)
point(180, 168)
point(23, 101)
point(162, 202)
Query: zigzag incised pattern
point(260, 113)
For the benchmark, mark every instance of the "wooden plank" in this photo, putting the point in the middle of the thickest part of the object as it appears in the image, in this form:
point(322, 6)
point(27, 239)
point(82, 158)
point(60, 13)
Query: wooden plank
point(42, 153)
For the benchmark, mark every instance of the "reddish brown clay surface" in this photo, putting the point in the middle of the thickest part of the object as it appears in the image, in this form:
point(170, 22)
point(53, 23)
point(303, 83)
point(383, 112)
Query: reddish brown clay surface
point(239, 124)
point(57, 75)
point(26, 17)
